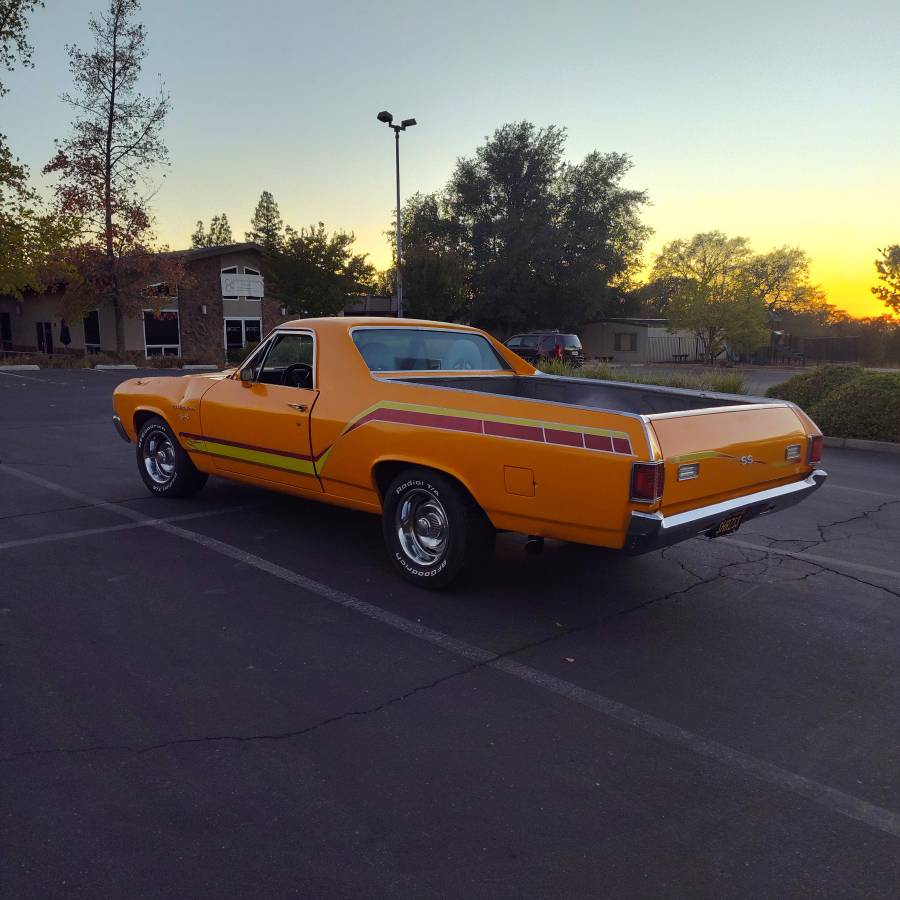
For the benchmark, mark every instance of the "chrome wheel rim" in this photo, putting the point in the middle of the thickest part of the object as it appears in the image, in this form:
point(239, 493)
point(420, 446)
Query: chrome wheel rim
point(422, 527)
point(159, 457)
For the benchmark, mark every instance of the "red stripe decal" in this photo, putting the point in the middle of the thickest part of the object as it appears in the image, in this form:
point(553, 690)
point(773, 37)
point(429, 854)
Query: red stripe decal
point(598, 442)
point(509, 430)
point(516, 431)
point(565, 438)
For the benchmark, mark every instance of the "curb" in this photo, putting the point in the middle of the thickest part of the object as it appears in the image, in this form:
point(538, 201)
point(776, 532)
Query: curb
point(201, 367)
point(22, 368)
point(860, 444)
point(109, 368)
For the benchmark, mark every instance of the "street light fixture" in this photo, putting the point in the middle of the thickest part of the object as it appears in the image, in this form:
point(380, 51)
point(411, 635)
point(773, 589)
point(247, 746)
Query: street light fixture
point(388, 119)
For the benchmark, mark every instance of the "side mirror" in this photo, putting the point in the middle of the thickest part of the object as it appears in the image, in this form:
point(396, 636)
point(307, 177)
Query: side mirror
point(247, 375)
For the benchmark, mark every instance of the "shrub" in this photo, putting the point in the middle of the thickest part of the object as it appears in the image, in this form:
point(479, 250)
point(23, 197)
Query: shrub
point(868, 407)
point(809, 387)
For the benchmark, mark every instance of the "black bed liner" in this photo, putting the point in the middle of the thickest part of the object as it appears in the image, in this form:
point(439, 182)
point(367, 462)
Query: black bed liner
point(609, 395)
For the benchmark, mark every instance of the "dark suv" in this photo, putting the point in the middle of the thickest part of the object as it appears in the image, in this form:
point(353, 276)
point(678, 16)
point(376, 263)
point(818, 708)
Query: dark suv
point(545, 346)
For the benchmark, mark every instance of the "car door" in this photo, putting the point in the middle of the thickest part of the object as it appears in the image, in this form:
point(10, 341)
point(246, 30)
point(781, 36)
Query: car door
point(257, 423)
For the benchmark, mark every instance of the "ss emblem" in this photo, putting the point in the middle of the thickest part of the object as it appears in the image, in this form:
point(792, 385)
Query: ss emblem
point(747, 460)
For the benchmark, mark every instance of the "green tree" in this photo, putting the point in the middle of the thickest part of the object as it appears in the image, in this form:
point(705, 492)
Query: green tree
point(266, 227)
point(31, 239)
point(15, 48)
point(106, 167)
point(540, 241)
point(219, 233)
point(716, 297)
point(434, 269)
point(313, 272)
point(888, 268)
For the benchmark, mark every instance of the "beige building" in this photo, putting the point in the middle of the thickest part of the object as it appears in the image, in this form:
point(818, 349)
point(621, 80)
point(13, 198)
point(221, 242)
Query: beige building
point(635, 340)
point(224, 310)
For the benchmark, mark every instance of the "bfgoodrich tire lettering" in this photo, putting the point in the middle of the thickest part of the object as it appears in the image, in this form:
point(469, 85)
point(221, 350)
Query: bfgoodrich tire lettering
point(164, 466)
point(433, 529)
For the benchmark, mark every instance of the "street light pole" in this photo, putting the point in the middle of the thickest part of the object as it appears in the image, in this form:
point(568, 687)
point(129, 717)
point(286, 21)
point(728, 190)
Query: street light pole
point(388, 119)
point(399, 275)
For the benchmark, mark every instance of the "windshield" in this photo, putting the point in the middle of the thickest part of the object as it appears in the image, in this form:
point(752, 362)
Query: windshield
point(423, 350)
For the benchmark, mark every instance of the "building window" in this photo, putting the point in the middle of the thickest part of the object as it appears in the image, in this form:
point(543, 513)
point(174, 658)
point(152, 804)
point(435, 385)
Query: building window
point(162, 336)
point(249, 271)
point(625, 341)
point(92, 332)
point(240, 332)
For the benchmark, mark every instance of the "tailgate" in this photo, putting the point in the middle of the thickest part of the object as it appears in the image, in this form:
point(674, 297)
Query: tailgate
point(736, 451)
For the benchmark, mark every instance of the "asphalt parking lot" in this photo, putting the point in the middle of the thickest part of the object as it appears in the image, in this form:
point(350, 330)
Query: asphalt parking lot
point(233, 695)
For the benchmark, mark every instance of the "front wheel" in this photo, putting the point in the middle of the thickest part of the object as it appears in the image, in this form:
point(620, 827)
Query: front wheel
point(433, 530)
point(164, 465)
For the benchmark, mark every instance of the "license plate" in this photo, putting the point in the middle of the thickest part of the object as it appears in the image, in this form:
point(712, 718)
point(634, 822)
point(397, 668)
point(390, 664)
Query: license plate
point(729, 525)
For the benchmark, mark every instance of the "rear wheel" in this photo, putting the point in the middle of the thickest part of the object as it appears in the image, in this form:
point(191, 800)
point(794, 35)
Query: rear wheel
point(433, 529)
point(166, 468)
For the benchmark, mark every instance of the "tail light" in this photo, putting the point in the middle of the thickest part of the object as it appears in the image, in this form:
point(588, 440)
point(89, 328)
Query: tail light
point(814, 454)
point(647, 480)
point(559, 351)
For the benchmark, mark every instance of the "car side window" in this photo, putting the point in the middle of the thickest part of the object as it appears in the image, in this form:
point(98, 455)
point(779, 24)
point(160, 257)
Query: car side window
point(289, 361)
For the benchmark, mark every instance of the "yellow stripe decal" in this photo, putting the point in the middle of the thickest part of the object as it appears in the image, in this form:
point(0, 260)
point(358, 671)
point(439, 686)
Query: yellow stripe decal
point(270, 459)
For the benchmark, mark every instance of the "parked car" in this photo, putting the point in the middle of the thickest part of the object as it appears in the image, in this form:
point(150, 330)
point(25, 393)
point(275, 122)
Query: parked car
point(542, 346)
point(451, 437)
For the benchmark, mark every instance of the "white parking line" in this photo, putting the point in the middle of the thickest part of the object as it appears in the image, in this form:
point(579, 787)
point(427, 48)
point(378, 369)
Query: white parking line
point(830, 561)
point(846, 487)
point(879, 817)
point(125, 526)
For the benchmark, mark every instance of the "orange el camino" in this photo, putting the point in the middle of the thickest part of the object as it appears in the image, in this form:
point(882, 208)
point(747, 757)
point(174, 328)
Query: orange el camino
point(451, 437)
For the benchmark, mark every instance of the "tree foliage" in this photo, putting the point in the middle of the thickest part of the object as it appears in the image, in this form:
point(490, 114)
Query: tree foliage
point(529, 238)
point(266, 227)
point(15, 49)
point(715, 296)
point(31, 239)
point(108, 165)
point(888, 268)
point(312, 272)
point(219, 233)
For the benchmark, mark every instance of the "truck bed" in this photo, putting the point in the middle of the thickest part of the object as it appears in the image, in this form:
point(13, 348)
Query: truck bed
point(614, 396)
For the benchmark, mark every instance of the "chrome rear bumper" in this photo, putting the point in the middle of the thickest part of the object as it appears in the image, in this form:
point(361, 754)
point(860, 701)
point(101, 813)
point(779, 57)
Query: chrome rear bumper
point(650, 531)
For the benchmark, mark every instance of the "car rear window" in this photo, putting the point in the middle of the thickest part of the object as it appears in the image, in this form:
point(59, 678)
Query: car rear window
point(570, 341)
point(423, 350)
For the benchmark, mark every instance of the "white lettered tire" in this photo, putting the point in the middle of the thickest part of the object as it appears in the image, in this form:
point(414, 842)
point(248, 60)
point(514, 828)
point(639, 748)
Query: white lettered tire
point(164, 465)
point(433, 529)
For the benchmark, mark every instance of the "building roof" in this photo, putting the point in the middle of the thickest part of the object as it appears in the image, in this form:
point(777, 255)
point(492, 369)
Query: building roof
point(644, 323)
point(219, 250)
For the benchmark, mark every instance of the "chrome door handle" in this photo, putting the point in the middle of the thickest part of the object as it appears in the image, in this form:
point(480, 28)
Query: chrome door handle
point(300, 407)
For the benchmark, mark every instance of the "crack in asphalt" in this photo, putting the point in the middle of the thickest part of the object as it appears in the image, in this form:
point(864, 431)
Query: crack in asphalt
point(821, 527)
point(724, 570)
point(360, 713)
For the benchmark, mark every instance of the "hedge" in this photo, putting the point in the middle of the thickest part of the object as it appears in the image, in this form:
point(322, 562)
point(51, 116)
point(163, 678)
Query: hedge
point(809, 387)
point(867, 407)
point(847, 401)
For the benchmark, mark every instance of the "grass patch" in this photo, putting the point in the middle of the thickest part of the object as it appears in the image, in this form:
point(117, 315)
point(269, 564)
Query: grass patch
point(724, 383)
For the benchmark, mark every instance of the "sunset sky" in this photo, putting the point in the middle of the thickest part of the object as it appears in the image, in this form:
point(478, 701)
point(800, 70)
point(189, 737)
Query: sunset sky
point(778, 121)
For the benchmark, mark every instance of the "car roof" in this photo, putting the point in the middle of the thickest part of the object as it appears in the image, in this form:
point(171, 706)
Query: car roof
point(345, 323)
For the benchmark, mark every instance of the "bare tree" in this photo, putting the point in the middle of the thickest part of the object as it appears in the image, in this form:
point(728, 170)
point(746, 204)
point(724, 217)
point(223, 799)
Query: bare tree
point(109, 166)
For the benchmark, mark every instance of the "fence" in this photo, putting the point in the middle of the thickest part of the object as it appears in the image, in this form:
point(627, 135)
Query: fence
point(673, 348)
